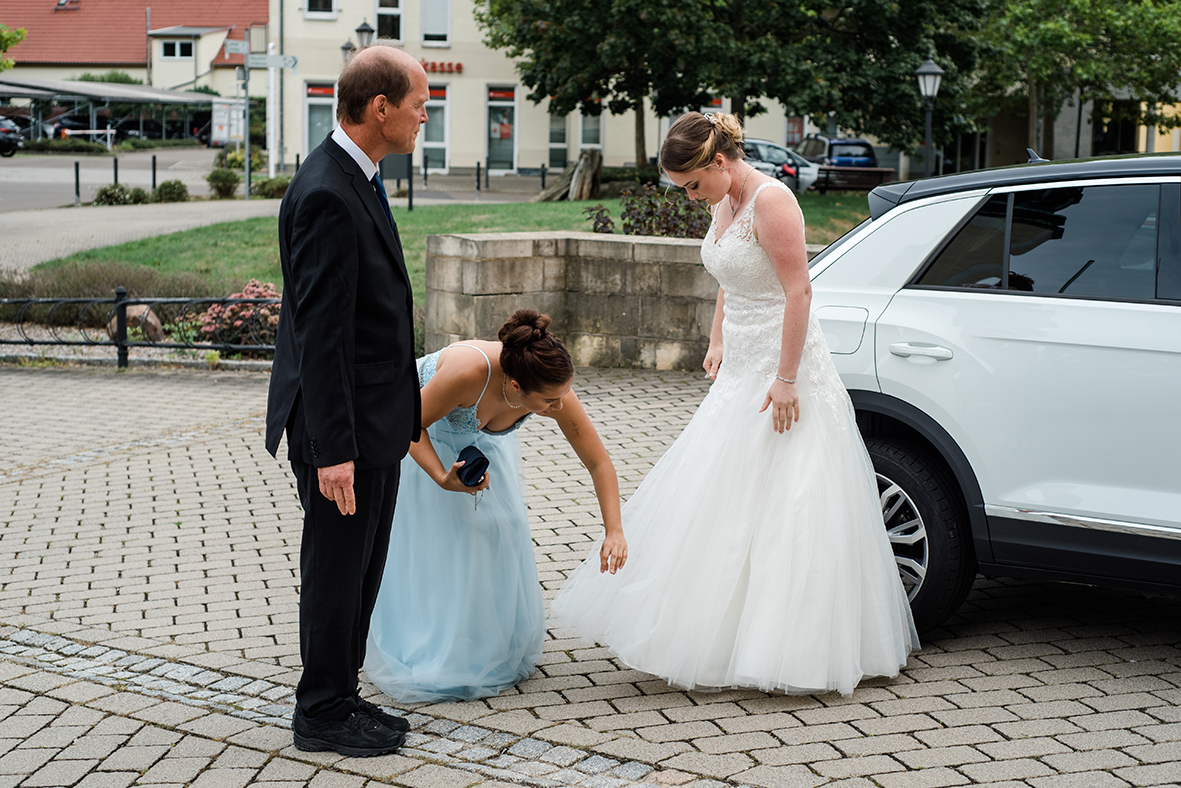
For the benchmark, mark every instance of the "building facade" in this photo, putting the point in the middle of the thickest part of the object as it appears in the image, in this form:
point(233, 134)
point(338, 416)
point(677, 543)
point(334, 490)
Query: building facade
point(479, 110)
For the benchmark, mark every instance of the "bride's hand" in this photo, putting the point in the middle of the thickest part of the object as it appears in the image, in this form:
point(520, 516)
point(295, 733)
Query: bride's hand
point(613, 553)
point(784, 400)
point(452, 483)
point(713, 361)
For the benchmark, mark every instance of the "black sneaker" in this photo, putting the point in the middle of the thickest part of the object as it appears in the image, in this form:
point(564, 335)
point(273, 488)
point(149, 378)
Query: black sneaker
point(360, 736)
point(389, 720)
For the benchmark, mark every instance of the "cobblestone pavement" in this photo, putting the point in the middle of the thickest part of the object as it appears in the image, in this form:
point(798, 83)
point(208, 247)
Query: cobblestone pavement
point(148, 593)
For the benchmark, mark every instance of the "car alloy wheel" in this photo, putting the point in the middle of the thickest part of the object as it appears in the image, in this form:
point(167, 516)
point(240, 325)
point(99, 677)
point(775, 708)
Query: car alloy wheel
point(928, 527)
point(908, 535)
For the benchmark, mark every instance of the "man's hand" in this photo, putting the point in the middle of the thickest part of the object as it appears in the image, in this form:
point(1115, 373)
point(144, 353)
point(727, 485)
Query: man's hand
point(336, 484)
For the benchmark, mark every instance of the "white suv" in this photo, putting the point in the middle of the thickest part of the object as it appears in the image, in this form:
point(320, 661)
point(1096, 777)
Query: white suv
point(1011, 341)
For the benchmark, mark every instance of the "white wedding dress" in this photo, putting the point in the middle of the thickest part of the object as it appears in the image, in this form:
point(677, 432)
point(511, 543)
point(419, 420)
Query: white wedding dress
point(755, 559)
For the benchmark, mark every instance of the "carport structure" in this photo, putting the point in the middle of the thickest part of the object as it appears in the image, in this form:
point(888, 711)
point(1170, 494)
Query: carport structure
point(94, 95)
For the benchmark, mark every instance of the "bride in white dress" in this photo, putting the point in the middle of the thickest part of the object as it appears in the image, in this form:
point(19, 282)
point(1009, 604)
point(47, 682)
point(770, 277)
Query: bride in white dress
point(758, 557)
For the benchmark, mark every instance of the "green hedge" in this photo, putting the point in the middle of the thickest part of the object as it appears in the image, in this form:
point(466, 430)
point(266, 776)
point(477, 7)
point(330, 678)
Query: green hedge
point(71, 145)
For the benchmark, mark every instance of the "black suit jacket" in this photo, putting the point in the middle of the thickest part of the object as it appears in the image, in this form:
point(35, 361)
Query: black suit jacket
point(344, 382)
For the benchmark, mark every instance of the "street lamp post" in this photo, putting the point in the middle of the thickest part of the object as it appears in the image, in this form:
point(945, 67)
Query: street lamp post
point(364, 34)
point(928, 75)
point(347, 50)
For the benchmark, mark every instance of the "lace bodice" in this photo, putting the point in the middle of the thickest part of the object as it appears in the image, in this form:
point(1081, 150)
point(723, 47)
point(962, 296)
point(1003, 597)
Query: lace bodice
point(461, 419)
point(752, 327)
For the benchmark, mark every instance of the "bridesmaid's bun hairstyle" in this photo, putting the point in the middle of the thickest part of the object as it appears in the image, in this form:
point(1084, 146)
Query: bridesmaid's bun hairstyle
point(695, 139)
point(531, 355)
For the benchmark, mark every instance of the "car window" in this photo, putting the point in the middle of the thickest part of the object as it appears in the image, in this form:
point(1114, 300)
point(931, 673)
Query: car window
point(1085, 241)
point(852, 150)
point(975, 257)
point(772, 154)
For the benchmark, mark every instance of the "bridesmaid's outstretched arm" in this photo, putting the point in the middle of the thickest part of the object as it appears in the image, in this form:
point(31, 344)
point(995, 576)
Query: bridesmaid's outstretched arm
point(581, 434)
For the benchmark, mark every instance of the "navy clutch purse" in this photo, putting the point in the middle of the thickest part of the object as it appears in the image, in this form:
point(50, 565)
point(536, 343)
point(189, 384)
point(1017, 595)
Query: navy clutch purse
point(474, 466)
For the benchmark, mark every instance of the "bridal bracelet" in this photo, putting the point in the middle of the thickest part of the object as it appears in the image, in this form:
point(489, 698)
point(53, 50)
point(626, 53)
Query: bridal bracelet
point(785, 380)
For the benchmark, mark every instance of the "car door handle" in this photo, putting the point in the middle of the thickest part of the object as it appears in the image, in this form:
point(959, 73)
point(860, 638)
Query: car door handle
point(906, 349)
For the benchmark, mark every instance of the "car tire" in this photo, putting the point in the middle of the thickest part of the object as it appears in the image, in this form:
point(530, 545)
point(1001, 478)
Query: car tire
point(928, 528)
point(7, 153)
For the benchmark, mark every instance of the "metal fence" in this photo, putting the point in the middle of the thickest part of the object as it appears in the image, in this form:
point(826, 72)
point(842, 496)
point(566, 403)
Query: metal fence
point(229, 325)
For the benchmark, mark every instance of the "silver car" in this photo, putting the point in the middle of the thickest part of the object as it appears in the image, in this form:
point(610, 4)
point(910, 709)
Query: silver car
point(779, 162)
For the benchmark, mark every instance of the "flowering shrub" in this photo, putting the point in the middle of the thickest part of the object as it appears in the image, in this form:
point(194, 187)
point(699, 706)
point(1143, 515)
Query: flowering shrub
point(654, 211)
point(243, 324)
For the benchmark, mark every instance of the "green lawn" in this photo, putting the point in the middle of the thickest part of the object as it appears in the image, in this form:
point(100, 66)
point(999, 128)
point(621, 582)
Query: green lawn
point(235, 252)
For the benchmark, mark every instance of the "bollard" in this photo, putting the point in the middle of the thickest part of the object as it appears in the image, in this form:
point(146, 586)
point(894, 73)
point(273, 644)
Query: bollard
point(153, 172)
point(477, 177)
point(297, 162)
point(115, 161)
point(543, 176)
point(425, 166)
point(77, 186)
point(409, 181)
point(121, 325)
point(487, 167)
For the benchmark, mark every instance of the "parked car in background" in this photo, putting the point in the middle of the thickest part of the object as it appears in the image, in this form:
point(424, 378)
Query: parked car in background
point(1011, 342)
point(837, 151)
point(135, 128)
point(780, 162)
point(10, 138)
point(28, 127)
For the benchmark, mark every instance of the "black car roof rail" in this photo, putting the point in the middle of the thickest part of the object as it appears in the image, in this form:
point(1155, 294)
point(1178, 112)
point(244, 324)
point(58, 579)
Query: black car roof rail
point(889, 195)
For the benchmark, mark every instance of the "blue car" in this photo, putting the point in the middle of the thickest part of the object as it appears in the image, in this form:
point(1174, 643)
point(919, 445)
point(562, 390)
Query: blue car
point(837, 151)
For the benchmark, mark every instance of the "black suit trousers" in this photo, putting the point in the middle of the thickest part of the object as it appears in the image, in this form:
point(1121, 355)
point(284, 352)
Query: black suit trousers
point(341, 562)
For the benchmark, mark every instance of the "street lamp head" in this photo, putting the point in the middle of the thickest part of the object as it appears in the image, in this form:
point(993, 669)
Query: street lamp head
point(929, 76)
point(347, 50)
point(365, 34)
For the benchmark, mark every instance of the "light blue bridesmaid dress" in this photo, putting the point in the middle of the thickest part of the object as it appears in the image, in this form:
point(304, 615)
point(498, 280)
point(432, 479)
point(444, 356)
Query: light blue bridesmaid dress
point(460, 613)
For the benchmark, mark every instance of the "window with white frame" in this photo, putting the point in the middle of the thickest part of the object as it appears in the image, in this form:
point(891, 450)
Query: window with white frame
point(320, 9)
point(557, 141)
point(177, 50)
point(591, 134)
point(389, 19)
point(436, 23)
point(434, 133)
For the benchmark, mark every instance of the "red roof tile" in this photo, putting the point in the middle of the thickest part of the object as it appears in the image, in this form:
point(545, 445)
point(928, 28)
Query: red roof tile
point(114, 32)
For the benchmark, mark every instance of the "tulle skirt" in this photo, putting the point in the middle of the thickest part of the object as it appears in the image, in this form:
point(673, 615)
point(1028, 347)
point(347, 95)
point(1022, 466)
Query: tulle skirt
point(754, 559)
point(460, 613)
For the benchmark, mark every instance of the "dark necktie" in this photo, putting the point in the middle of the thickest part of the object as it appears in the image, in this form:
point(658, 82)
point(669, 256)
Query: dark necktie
point(385, 201)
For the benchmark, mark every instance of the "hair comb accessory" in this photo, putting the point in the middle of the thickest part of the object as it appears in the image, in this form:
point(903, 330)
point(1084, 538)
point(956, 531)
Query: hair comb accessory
point(711, 118)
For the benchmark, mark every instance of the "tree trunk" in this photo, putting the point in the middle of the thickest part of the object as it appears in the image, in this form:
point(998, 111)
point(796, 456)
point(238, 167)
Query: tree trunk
point(1033, 113)
point(641, 137)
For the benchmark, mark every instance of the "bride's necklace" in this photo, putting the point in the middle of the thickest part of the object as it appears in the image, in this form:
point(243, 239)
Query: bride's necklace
point(741, 189)
point(504, 393)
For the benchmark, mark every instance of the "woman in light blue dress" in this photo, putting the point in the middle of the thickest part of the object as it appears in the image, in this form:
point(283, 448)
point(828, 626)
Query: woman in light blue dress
point(460, 613)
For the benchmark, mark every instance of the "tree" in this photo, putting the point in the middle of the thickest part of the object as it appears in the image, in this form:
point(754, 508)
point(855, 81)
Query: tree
point(8, 39)
point(613, 54)
point(856, 63)
point(1043, 53)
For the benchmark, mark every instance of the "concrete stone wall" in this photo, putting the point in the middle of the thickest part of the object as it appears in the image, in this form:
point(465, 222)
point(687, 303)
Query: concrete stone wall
point(616, 300)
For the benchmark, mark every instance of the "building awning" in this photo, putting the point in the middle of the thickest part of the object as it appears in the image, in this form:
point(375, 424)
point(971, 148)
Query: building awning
point(19, 87)
point(13, 91)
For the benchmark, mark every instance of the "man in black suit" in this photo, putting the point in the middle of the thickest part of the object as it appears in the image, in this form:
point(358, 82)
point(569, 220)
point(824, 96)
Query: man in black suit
point(344, 386)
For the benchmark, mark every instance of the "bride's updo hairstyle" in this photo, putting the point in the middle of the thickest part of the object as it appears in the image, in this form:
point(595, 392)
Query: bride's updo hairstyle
point(531, 355)
point(695, 139)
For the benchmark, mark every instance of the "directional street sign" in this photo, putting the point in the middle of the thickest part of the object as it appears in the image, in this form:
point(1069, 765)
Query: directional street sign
point(236, 47)
point(271, 61)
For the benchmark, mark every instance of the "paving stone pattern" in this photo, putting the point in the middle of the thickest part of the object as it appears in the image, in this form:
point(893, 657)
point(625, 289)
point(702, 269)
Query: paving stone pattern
point(148, 630)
